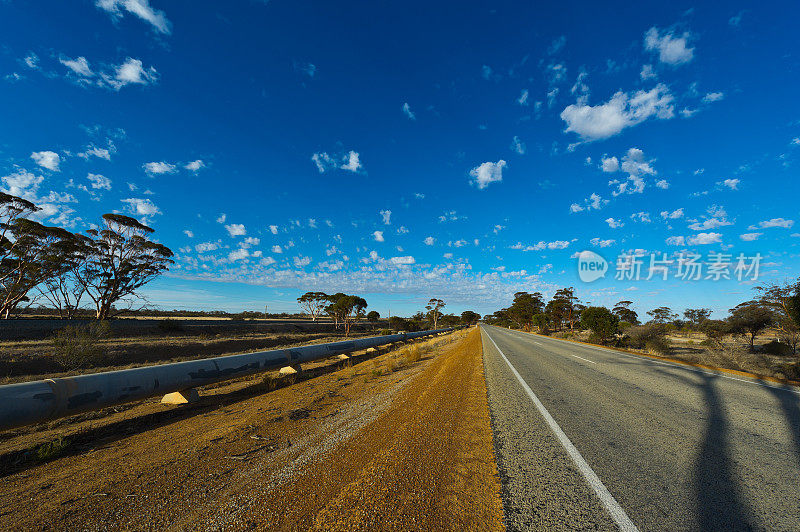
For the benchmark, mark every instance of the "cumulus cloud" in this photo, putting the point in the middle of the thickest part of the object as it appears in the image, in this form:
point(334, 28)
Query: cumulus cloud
point(408, 112)
point(99, 182)
point(610, 164)
point(429, 241)
point(593, 202)
point(140, 8)
point(277, 249)
point(622, 110)
point(350, 161)
point(487, 173)
point(614, 224)
point(188, 233)
point(716, 217)
point(301, 261)
point(749, 237)
point(647, 73)
point(677, 213)
point(703, 239)
point(523, 98)
point(130, 72)
point(403, 260)
point(47, 159)
point(236, 229)
point(141, 207)
point(206, 247)
point(273, 229)
point(672, 49)
point(386, 216)
point(195, 165)
point(94, 151)
point(239, 254)
point(776, 222)
point(158, 168)
point(732, 184)
point(378, 236)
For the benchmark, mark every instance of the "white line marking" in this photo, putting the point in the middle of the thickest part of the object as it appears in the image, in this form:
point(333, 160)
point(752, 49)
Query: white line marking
point(786, 388)
point(586, 359)
point(612, 506)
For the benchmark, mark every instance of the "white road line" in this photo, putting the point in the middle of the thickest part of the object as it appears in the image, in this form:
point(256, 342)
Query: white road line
point(586, 359)
point(789, 389)
point(612, 506)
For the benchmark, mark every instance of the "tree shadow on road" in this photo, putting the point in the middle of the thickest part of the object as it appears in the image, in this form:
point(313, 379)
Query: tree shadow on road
point(790, 404)
point(720, 504)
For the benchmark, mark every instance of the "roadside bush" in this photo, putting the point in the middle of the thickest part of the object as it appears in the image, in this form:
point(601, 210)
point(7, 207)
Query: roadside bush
point(385, 332)
point(78, 346)
point(651, 336)
point(777, 348)
point(414, 354)
point(51, 449)
point(715, 331)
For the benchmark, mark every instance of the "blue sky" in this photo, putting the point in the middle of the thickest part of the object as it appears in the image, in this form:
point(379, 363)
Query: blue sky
point(457, 150)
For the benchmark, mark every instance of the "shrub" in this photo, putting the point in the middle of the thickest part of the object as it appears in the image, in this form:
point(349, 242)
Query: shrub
point(602, 323)
point(52, 449)
point(651, 336)
point(414, 354)
point(78, 346)
point(385, 332)
point(715, 330)
point(777, 348)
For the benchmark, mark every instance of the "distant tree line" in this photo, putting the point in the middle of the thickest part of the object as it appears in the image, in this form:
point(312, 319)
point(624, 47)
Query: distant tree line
point(776, 307)
point(104, 267)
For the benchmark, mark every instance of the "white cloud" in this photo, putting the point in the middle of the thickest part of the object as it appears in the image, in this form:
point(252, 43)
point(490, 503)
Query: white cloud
point(350, 162)
point(386, 215)
point(776, 222)
point(251, 241)
point(301, 261)
point(309, 69)
point(94, 151)
point(643, 217)
point(130, 72)
point(221, 218)
point(408, 112)
point(647, 73)
point(518, 146)
point(523, 98)
point(717, 217)
point(236, 229)
point(557, 244)
point(277, 249)
point(676, 241)
point(732, 184)
point(195, 165)
point(487, 173)
point(239, 254)
point(273, 229)
point(429, 241)
point(677, 213)
point(621, 111)
point(141, 207)
point(205, 247)
point(79, 66)
point(703, 239)
point(713, 97)
point(158, 168)
point(636, 166)
point(593, 202)
point(403, 260)
point(662, 184)
point(614, 224)
point(378, 236)
point(31, 61)
point(23, 184)
point(139, 8)
point(188, 233)
point(749, 237)
point(602, 243)
point(46, 159)
point(99, 182)
point(610, 164)
point(671, 49)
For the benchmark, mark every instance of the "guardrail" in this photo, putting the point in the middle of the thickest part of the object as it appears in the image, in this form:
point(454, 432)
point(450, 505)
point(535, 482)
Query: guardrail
point(32, 402)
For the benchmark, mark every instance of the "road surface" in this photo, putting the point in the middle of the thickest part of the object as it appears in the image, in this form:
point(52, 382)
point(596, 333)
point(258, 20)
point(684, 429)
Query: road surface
point(591, 438)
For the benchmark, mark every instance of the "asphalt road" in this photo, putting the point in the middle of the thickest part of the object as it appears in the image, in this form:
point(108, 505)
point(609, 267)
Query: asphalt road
point(591, 438)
